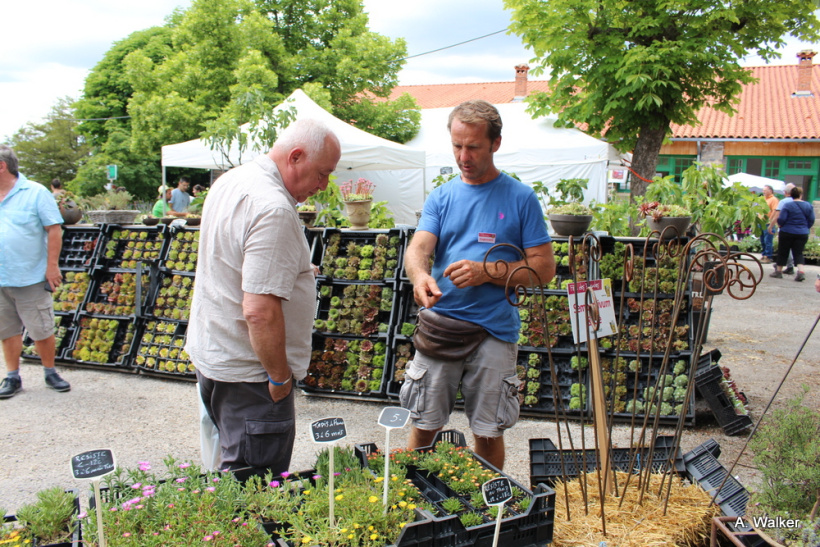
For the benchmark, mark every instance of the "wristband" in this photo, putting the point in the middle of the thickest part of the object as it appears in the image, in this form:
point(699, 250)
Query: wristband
point(279, 383)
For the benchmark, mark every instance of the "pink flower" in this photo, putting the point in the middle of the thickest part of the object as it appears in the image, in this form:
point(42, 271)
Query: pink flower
point(181, 479)
point(184, 465)
point(285, 474)
point(274, 484)
point(136, 486)
point(211, 489)
point(207, 538)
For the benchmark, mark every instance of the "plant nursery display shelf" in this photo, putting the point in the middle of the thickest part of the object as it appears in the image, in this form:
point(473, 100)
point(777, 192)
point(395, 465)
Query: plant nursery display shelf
point(110, 316)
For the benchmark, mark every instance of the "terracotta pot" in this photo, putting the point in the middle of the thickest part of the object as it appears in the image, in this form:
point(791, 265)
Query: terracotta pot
point(358, 212)
point(570, 225)
point(679, 224)
point(71, 213)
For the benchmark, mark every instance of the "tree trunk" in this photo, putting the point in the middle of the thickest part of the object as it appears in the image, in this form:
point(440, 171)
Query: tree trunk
point(645, 157)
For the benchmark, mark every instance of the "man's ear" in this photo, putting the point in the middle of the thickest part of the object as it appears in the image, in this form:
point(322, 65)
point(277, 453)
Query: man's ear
point(295, 156)
point(496, 144)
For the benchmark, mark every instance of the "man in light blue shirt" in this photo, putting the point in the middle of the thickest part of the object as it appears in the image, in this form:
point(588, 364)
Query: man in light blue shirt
point(179, 197)
point(30, 242)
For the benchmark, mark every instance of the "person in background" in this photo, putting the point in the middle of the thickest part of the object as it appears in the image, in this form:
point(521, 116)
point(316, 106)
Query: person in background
point(249, 334)
point(796, 219)
point(163, 207)
point(57, 189)
point(773, 226)
point(179, 196)
point(461, 221)
point(767, 237)
point(30, 242)
point(197, 189)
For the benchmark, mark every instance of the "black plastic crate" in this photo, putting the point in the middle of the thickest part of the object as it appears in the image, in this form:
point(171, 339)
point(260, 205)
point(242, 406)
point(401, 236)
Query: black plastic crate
point(64, 328)
point(347, 366)
point(547, 461)
point(354, 309)
point(105, 342)
point(401, 353)
point(532, 528)
point(545, 320)
point(171, 296)
point(182, 251)
point(69, 295)
point(161, 349)
point(407, 311)
point(703, 467)
point(339, 254)
point(79, 247)
point(536, 388)
point(622, 375)
point(124, 247)
point(117, 293)
point(709, 383)
point(649, 328)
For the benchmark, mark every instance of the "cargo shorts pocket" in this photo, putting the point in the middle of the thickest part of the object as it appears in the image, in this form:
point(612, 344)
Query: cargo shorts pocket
point(411, 395)
point(269, 444)
point(508, 405)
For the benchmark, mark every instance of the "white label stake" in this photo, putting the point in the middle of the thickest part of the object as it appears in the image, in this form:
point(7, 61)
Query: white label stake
point(392, 417)
point(328, 431)
point(497, 492)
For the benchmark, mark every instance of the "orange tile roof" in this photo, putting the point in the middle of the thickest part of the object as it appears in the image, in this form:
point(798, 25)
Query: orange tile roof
point(767, 109)
point(444, 95)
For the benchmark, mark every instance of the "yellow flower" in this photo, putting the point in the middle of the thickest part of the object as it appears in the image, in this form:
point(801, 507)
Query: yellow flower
point(411, 506)
point(339, 497)
point(402, 504)
point(356, 525)
point(371, 527)
point(374, 536)
point(402, 525)
point(393, 478)
point(373, 499)
point(306, 539)
point(343, 530)
point(350, 536)
point(307, 492)
point(379, 479)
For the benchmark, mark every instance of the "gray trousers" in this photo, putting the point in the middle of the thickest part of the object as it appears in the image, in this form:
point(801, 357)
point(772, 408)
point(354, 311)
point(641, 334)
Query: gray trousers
point(253, 430)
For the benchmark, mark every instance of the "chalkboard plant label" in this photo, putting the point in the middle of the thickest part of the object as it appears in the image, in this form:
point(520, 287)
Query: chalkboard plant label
point(93, 464)
point(497, 491)
point(328, 430)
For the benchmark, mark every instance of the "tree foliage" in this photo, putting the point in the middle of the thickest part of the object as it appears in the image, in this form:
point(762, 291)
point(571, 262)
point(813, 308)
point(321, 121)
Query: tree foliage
point(629, 69)
point(51, 149)
point(223, 63)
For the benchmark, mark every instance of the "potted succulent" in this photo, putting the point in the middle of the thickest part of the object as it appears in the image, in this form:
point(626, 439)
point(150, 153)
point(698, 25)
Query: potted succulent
point(50, 521)
point(567, 213)
point(357, 197)
point(110, 207)
point(70, 211)
point(307, 214)
point(660, 216)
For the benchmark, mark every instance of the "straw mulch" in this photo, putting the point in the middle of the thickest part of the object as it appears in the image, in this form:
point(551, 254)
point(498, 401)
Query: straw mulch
point(687, 521)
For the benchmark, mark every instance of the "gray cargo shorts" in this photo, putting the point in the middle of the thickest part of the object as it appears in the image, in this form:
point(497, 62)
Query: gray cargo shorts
point(31, 307)
point(488, 381)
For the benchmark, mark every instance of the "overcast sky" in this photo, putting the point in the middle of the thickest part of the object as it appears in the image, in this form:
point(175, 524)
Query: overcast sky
point(49, 46)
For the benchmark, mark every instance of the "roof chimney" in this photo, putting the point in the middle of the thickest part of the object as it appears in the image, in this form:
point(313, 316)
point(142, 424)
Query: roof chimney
point(521, 82)
point(804, 70)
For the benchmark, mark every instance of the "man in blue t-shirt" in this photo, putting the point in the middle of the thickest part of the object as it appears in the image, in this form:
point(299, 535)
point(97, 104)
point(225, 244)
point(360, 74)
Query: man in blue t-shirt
point(179, 197)
point(460, 222)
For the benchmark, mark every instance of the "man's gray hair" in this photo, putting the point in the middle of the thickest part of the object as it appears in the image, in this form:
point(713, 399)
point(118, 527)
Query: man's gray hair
point(8, 156)
point(308, 134)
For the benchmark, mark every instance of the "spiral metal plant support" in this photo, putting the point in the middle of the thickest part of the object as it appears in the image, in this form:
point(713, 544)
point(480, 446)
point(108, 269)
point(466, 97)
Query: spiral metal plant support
point(722, 271)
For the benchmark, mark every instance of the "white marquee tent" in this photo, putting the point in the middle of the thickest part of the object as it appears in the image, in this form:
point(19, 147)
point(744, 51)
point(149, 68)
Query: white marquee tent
point(533, 149)
point(755, 183)
point(362, 153)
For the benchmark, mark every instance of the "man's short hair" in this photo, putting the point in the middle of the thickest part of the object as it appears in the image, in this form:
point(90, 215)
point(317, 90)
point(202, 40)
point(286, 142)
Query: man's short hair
point(788, 188)
point(478, 111)
point(8, 157)
point(184, 178)
point(769, 186)
point(308, 134)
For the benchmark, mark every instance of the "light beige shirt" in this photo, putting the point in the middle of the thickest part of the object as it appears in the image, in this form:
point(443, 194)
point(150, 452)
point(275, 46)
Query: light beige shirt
point(251, 241)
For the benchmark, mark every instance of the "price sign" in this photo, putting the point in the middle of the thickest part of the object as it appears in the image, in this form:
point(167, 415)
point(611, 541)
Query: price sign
point(581, 318)
point(328, 430)
point(93, 464)
point(394, 417)
point(496, 491)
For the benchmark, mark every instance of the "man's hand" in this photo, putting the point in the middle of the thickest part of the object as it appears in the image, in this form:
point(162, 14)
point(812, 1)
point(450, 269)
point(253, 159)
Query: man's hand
point(426, 292)
point(466, 273)
point(54, 277)
point(277, 393)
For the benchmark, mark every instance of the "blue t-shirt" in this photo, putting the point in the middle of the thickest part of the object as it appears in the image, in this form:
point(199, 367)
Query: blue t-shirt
point(180, 200)
point(468, 220)
point(24, 214)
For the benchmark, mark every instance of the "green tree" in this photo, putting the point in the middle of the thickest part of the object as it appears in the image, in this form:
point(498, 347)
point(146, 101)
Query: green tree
point(51, 149)
point(629, 69)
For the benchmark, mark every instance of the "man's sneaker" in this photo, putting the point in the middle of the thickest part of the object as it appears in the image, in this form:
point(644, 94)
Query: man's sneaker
point(9, 387)
point(776, 274)
point(789, 271)
point(766, 260)
point(56, 383)
point(800, 276)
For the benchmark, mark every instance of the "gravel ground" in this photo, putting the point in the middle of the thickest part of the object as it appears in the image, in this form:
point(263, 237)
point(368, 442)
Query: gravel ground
point(145, 418)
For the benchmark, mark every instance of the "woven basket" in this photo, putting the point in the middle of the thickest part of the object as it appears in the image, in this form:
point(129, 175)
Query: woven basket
point(112, 217)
